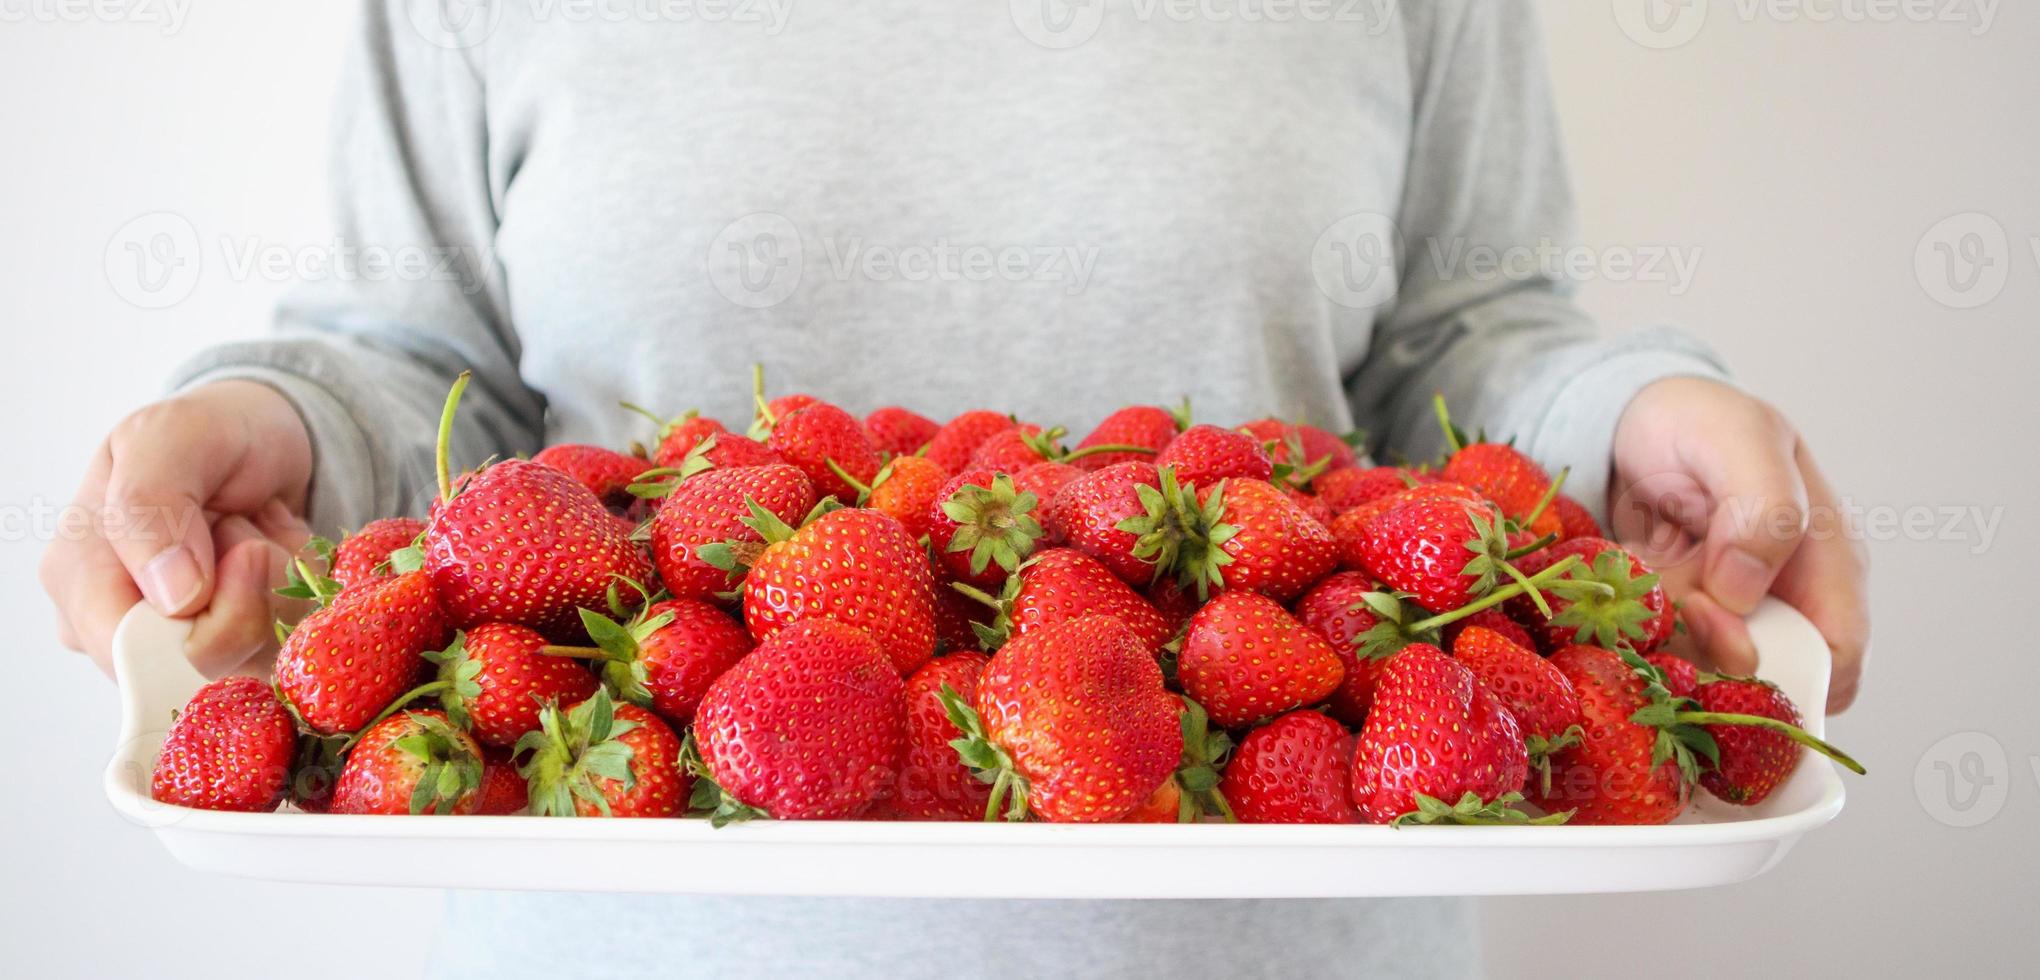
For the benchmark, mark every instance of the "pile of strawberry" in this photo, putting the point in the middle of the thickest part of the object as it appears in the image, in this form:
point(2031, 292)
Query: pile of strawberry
point(891, 618)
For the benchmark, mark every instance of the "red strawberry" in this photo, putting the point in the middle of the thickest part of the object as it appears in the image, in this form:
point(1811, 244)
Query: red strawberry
point(957, 617)
point(504, 792)
point(413, 762)
point(1753, 761)
point(606, 473)
point(496, 678)
point(1273, 547)
point(1493, 619)
point(1433, 732)
point(1348, 527)
point(712, 509)
point(1445, 552)
point(934, 785)
point(1015, 449)
point(1295, 769)
point(666, 658)
point(1075, 722)
point(1311, 504)
point(728, 451)
point(1164, 805)
point(1633, 608)
point(231, 748)
point(1206, 454)
point(898, 431)
point(1062, 584)
point(1176, 603)
point(1089, 514)
point(678, 437)
point(810, 726)
point(1246, 659)
point(1045, 480)
point(1337, 609)
point(365, 555)
point(856, 567)
point(1142, 431)
point(1540, 698)
point(953, 445)
point(822, 439)
point(1343, 490)
point(1513, 481)
point(779, 408)
point(1302, 446)
point(1682, 679)
point(344, 664)
point(1620, 773)
point(908, 488)
point(603, 759)
point(1574, 520)
point(982, 527)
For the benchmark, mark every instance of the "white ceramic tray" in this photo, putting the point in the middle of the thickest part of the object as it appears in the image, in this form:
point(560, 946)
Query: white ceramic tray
point(1714, 844)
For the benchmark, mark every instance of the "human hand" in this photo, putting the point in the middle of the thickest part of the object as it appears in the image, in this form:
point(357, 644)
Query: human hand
point(193, 504)
point(1716, 490)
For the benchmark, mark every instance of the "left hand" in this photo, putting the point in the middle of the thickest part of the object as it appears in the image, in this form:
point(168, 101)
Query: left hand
point(1716, 491)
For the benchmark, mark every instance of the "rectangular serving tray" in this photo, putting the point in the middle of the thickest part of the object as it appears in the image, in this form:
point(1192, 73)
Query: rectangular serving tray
point(1713, 844)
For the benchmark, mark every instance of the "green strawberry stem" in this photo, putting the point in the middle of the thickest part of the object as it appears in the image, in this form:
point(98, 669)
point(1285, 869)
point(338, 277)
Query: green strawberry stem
point(445, 443)
point(1550, 494)
point(1452, 435)
point(663, 423)
point(322, 589)
point(1530, 587)
point(977, 594)
point(1538, 545)
point(863, 490)
point(422, 690)
point(1497, 596)
point(1076, 454)
point(577, 653)
point(1787, 729)
point(758, 396)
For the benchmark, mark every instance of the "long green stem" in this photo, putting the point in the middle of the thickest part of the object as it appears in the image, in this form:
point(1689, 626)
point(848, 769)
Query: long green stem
point(1550, 494)
point(430, 687)
point(1106, 448)
point(1445, 422)
point(863, 492)
point(445, 444)
point(1787, 729)
point(1496, 597)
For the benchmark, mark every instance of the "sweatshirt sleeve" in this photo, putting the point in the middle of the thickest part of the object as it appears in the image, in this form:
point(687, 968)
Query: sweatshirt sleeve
point(1507, 348)
point(412, 295)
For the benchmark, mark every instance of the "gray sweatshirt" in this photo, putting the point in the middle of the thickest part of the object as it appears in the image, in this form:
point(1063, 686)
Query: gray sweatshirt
point(1052, 209)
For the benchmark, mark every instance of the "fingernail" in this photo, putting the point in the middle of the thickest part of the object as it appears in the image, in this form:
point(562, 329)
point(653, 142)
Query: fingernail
point(1740, 581)
point(171, 580)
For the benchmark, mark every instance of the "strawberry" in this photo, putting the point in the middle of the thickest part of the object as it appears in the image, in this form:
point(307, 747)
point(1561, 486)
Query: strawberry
point(958, 617)
point(1176, 603)
point(1614, 598)
point(830, 446)
point(1682, 679)
point(710, 512)
point(1540, 698)
point(1492, 619)
point(856, 567)
point(1072, 722)
point(1090, 514)
point(1295, 769)
point(1574, 520)
point(1045, 480)
point(600, 758)
point(1444, 551)
point(1302, 446)
point(1062, 584)
point(898, 431)
point(1136, 432)
point(1622, 771)
point(504, 791)
point(413, 762)
point(1273, 547)
point(1343, 490)
point(1015, 449)
point(496, 676)
point(933, 784)
point(606, 473)
point(1336, 607)
point(953, 445)
point(982, 527)
point(364, 556)
point(1434, 732)
point(344, 664)
point(1753, 761)
point(231, 748)
point(1512, 481)
point(1348, 527)
point(1164, 805)
point(666, 657)
point(1246, 659)
point(1205, 454)
point(1312, 505)
point(907, 489)
point(679, 438)
point(810, 726)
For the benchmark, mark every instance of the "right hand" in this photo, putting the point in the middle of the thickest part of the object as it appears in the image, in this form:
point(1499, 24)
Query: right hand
point(194, 504)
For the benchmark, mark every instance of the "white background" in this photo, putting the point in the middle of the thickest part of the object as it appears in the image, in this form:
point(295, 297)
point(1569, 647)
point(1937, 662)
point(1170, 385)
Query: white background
point(1805, 159)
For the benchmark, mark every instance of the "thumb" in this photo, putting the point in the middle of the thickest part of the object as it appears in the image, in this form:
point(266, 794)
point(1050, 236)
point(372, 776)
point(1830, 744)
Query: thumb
point(167, 464)
point(1758, 513)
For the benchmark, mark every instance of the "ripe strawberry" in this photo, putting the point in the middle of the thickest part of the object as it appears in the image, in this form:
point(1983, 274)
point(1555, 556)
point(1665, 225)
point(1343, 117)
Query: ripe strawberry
point(1301, 445)
point(1090, 513)
point(1541, 699)
point(1143, 430)
point(907, 489)
point(1343, 490)
point(1682, 679)
point(1433, 732)
point(1632, 609)
point(856, 567)
point(1246, 659)
point(1492, 618)
point(711, 510)
point(496, 678)
point(504, 791)
point(1015, 449)
point(606, 473)
point(957, 617)
point(344, 664)
point(727, 451)
point(603, 759)
point(1295, 769)
point(1444, 551)
point(666, 658)
point(1753, 761)
point(1073, 722)
point(364, 556)
point(678, 438)
point(1574, 520)
point(413, 762)
point(1622, 771)
point(1164, 805)
point(982, 527)
point(952, 446)
point(1176, 603)
point(1062, 584)
point(1336, 607)
point(821, 440)
point(1312, 505)
point(1273, 547)
point(934, 784)
point(810, 726)
point(1512, 481)
point(898, 431)
point(1045, 480)
point(231, 748)
point(1348, 528)
point(1206, 454)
